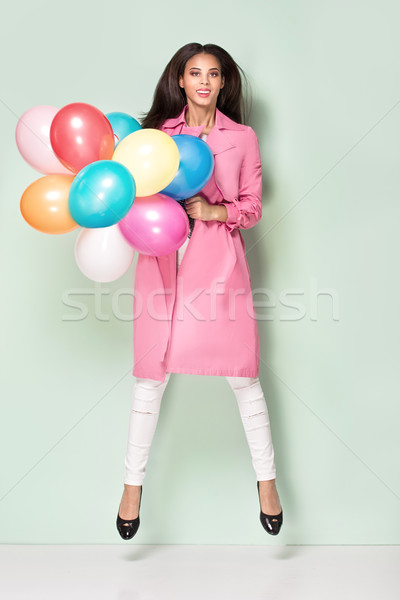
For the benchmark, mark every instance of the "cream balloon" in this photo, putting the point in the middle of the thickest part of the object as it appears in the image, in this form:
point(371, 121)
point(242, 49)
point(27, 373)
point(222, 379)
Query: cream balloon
point(151, 156)
point(102, 253)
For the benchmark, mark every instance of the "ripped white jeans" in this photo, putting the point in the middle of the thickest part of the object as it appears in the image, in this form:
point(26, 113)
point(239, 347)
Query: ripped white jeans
point(145, 409)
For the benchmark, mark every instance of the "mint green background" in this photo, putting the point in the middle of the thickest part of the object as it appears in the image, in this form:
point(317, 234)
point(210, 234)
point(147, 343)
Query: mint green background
point(326, 110)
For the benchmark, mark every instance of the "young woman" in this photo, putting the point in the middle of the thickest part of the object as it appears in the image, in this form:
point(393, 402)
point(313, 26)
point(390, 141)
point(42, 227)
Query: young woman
point(196, 311)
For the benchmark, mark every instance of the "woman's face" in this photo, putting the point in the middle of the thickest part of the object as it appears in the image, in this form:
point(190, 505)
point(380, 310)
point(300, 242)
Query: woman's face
point(202, 80)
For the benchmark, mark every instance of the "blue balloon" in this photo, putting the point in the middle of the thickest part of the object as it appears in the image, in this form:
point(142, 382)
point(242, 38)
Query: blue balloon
point(122, 125)
point(196, 164)
point(101, 194)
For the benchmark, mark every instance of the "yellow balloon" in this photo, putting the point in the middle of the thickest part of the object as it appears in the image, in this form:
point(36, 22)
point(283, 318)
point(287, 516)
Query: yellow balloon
point(151, 156)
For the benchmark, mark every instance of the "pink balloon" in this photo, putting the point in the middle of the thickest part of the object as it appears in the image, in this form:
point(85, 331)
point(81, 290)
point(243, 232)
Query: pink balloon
point(155, 225)
point(32, 135)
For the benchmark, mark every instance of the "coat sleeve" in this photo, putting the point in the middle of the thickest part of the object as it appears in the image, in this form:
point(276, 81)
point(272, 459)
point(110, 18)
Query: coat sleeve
point(246, 210)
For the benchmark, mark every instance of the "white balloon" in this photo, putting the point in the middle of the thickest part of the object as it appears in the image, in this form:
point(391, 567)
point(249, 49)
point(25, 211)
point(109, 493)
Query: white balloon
point(102, 253)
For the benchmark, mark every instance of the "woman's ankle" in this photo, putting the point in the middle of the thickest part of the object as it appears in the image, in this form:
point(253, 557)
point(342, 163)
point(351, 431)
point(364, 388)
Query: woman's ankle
point(132, 487)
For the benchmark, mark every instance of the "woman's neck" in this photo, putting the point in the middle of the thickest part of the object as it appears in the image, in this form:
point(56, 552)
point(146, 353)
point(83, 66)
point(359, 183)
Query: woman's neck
point(197, 116)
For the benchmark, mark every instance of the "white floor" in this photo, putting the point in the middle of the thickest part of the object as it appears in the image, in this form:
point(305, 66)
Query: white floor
point(145, 572)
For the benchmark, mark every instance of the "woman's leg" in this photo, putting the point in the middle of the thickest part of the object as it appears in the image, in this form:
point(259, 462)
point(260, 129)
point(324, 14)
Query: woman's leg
point(145, 410)
point(254, 413)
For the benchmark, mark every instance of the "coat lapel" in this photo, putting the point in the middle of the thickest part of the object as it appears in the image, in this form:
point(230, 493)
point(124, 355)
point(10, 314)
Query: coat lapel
point(218, 139)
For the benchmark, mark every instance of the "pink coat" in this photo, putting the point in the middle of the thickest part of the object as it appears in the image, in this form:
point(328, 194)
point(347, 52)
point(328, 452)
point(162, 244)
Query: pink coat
point(201, 320)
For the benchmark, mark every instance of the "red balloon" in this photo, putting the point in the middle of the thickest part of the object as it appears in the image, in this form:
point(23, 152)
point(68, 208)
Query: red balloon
point(81, 134)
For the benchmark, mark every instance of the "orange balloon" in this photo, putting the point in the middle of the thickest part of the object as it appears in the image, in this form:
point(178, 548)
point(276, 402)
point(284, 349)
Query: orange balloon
point(44, 204)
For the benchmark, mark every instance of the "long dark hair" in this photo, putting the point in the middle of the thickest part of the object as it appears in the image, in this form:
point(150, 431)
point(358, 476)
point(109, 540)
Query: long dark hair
point(169, 98)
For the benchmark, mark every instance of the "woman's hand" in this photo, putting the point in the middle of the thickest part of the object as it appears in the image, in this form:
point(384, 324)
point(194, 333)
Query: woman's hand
point(197, 207)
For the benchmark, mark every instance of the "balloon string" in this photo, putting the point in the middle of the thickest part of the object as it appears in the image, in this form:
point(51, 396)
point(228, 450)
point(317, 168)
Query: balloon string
point(191, 220)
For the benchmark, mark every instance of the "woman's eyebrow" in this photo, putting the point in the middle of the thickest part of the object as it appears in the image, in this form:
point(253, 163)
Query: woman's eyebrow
point(199, 68)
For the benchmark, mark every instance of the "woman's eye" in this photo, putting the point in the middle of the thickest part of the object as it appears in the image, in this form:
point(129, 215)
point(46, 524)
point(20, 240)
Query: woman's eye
point(195, 73)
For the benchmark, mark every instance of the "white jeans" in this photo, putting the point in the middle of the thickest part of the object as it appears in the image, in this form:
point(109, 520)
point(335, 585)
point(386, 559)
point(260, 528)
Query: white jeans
point(145, 409)
point(181, 251)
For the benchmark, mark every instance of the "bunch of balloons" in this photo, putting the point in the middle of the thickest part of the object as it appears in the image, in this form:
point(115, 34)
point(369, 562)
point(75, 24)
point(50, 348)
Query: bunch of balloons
point(115, 180)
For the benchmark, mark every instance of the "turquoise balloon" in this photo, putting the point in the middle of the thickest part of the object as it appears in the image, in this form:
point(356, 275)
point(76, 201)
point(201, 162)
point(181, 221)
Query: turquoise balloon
point(196, 164)
point(101, 194)
point(122, 125)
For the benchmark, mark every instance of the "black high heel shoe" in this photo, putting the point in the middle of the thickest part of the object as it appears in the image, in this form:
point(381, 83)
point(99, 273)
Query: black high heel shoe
point(271, 523)
point(128, 527)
